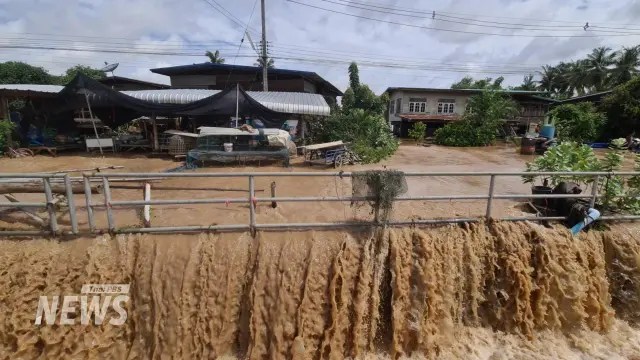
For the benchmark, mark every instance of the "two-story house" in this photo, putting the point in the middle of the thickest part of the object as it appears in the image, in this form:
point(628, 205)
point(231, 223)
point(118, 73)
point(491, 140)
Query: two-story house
point(437, 107)
point(223, 76)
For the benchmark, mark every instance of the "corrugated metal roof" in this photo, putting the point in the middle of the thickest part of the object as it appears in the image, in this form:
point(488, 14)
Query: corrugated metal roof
point(32, 87)
point(286, 102)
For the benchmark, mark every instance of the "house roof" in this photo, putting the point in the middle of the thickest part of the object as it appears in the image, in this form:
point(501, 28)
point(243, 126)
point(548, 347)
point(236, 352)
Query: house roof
point(589, 97)
point(426, 117)
point(121, 79)
point(204, 68)
point(29, 90)
point(463, 91)
point(284, 102)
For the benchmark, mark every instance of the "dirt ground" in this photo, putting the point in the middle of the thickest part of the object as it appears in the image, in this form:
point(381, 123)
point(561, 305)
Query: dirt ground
point(408, 158)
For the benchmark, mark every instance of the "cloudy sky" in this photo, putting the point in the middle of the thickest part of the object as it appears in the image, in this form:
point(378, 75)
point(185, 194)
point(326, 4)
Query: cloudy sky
point(395, 42)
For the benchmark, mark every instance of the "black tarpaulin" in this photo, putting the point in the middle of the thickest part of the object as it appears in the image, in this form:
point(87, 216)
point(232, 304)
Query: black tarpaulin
point(74, 96)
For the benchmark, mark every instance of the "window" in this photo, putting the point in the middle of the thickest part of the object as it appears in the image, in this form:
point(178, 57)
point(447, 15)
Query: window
point(398, 106)
point(392, 107)
point(446, 106)
point(418, 105)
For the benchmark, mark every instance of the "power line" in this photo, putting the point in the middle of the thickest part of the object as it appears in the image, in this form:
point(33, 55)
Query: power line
point(441, 13)
point(453, 30)
point(116, 51)
point(438, 15)
point(226, 13)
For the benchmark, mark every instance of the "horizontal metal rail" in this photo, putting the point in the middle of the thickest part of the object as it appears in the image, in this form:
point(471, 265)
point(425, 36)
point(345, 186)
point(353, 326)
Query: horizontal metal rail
point(349, 174)
point(23, 204)
point(111, 205)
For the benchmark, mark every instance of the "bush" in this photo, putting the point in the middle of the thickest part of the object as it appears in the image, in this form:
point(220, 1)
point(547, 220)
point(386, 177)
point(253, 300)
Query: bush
point(481, 122)
point(360, 121)
point(369, 134)
point(6, 128)
point(578, 122)
point(623, 109)
point(615, 194)
point(418, 131)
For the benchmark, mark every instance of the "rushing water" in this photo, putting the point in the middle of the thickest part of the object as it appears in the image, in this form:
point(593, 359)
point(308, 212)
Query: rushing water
point(493, 291)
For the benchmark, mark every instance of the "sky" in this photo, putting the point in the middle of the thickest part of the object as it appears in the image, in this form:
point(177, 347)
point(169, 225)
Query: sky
point(406, 43)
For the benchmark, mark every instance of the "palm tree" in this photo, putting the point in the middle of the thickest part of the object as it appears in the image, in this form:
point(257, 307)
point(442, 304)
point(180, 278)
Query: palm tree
point(214, 57)
point(527, 83)
point(598, 65)
point(548, 78)
point(626, 65)
point(269, 63)
point(578, 77)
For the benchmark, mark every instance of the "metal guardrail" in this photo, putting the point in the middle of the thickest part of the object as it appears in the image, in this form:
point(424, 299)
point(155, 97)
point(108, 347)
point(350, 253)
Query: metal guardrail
point(252, 200)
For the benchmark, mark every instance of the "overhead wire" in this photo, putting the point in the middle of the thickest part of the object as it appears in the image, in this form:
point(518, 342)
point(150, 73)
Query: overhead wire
point(438, 15)
point(454, 30)
point(221, 9)
point(441, 13)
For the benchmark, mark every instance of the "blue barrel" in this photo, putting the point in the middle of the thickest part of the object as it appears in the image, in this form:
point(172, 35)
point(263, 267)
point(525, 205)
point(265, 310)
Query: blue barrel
point(548, 131)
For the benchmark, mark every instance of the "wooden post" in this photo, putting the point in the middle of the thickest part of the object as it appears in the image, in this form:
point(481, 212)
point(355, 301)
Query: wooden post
point(5, 108)
point(147, 208)
point(273, 195)
point(156, 143)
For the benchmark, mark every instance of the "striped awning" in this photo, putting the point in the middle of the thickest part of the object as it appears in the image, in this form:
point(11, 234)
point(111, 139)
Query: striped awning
point(284, 102)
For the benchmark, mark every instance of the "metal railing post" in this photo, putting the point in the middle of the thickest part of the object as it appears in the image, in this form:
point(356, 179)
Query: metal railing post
point(594, 192)
point(492, 183)
point(87, 196)
point(53, 222)
point(107, 203)
point(71, 204)
point(252, 206)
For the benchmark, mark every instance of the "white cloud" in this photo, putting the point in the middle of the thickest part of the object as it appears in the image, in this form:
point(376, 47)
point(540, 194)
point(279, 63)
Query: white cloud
point(296, 31)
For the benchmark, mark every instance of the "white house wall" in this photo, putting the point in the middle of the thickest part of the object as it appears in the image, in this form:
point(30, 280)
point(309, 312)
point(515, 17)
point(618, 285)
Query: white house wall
point(432, 102)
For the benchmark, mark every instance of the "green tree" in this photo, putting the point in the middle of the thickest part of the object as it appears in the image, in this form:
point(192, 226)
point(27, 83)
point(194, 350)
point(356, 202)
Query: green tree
point(578, 78)
point(214, 57)
point(626, 65)
point(622, 107)
point(481, 122)
point(598, 66)
point(82, 69)
point(468, 82)
point(359, 121)
point(580, 122)
point(418, 131)
point(15, 72)
point(270, 63)
point(528, 84)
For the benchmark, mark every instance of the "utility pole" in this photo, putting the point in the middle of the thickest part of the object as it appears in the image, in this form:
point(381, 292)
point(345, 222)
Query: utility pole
point(265, 80)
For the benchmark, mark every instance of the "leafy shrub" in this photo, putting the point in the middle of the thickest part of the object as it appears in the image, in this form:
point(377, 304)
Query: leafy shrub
point(360, 121)
point(6, 128)
point(418, 131)
point(615, 193)
point(578, 122)
point(481, 122)
point(567, 156)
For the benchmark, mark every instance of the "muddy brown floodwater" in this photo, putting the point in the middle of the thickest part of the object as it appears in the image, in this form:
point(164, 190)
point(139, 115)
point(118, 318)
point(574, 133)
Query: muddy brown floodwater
point(408, 158)
point(487, 291)
point(483, 291)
